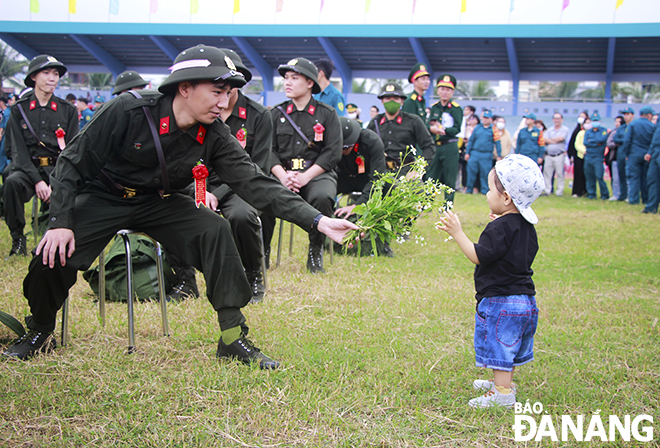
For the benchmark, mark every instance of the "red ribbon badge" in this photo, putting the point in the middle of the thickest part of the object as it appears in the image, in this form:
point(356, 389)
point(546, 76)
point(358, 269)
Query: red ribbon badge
point(60, 138)
point(240, 136)
point(360, 163)
point(318, 132)
point(200, 173)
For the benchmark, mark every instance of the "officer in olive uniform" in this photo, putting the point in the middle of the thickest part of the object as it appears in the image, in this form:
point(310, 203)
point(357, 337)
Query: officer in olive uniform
point(415, 104)
point(114, 175)
point(40, 125)
point(445, 122)
point(363, 155)
point(128, 80)
point(398, 130)
point(307, 143)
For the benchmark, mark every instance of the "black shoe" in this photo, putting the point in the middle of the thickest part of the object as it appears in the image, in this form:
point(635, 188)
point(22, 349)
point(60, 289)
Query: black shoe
point(18, 247)
point(315, 260)
point(243, 350)
point(387, 251)
point(650, 211)
point(30, 344)
point(267, 257)
point(184, 290)
point(256, 280)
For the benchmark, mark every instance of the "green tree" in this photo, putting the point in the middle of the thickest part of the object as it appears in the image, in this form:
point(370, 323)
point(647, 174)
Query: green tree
point(100, 80)
point(557, 89)
point(479, 89)
point(11, 65)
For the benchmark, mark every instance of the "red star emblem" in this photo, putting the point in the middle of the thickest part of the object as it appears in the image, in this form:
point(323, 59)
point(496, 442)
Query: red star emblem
point(33, 104)
point(382, 120)
point(399, 119)
point(289, 109)
point(201, 134)
point(311, 110)
point(53, 105)
point(164, 125)
point(242, 113)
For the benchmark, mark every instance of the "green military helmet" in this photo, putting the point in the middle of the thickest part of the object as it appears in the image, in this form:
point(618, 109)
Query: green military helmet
point(595, 116)
point(202, 63)
point(305, 67)
point(392, 89)
point(42, 62)
point(128, 80)
point(350, 130)
point(418, 70)
point(238, 62)
point(446, 80)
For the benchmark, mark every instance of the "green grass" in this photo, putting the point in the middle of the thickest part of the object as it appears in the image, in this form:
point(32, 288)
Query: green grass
point(377, 352)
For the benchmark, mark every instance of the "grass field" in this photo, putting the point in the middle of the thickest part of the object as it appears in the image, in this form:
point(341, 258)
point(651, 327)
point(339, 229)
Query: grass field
point(376, 353)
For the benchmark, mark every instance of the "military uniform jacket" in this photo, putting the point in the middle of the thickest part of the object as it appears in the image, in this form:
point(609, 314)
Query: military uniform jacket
point(371, 149)
point(655, 144)
point(332, 97)
point(251, 122)
point(416, 104)
point(406, 129)
point(531, 143)
point(288, 144)
point(637, 137)
point(595, 140)
point(483, 139)
point(118, 140)
point(45, 120)
point(450, 117)
point(620, 134)
point(85, 117)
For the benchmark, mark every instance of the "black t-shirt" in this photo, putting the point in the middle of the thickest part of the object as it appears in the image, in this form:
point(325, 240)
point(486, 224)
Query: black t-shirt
point(506, 251)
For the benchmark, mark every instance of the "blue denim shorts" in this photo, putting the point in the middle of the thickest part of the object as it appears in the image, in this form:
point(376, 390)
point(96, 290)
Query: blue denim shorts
point(504, 330)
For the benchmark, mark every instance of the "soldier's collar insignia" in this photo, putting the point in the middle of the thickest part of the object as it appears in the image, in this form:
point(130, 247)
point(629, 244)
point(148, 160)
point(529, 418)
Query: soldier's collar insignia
point(399, 119)
point(289, 109)
point(382, 120)
point(164, 125)
point(201, 134)
point(53, 105)
point(230, 63)
point(292, 62)
point(242, 113)
point(389, 88)
point(311, 109)
point(33, 104)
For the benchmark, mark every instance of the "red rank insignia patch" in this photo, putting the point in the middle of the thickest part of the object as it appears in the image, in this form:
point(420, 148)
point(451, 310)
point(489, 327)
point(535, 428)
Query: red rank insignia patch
point(399, 119)
point(242, 113)
point(53, 105)
point(289, 109)
point(201, 134)
point(311, 110)
point(382, 120)
point(164, 125)
point(33, 104)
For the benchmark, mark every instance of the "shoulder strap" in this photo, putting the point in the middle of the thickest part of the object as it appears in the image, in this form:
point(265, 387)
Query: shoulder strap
point(159, 147)
point(34, 134)
point(377, 128)
point(295, 126)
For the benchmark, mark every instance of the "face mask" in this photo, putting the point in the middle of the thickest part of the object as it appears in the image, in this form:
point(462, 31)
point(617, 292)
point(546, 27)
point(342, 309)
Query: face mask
point(351, 115)
point(595, 124)
point(500, 126)
point(392, 107)
point(580, 120)
point(587, 126)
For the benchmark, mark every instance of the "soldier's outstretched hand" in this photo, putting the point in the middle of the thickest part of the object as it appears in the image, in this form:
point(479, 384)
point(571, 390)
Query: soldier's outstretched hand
point(335, 229)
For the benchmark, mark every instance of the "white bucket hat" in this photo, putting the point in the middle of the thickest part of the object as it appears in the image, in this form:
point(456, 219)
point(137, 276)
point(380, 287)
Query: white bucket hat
point(521, 177)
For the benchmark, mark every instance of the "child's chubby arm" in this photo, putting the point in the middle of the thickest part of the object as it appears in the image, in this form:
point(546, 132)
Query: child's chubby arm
point(452, 225)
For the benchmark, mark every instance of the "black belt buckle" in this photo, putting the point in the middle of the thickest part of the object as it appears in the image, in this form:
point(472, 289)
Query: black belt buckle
point(297, 164)
point(129, 192)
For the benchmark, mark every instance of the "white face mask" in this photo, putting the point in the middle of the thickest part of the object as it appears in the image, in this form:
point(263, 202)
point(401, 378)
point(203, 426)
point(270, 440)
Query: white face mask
point(587, 126)
point(352, 115)
point(580, 120)
point(501, 126)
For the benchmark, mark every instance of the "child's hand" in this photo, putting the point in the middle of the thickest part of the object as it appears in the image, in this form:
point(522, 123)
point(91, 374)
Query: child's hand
point(450, 223)
point(493, 216)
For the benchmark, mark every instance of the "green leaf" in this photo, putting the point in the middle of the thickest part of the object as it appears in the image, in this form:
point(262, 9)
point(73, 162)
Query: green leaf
point(12, 323)
point(388, 226)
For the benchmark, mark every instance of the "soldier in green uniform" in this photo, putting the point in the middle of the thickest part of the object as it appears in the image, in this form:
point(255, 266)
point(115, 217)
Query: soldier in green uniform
point(40, 125)
point(128, 80)
point(399, 130)
point(416, 103)
point(142, 178)
point(307, 144)
point(445, 122)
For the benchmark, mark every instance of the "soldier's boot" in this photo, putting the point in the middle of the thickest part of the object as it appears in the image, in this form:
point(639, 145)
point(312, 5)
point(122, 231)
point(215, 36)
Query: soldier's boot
point(256, 280)
point(18, 247)
point(315, 260)
point(187, 286)
point(30, 344)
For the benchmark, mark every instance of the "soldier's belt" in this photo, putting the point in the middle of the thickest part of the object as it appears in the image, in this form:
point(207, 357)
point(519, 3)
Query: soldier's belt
point(440, 143)
point(121, 191)
point(297, 164)
point(44, 161)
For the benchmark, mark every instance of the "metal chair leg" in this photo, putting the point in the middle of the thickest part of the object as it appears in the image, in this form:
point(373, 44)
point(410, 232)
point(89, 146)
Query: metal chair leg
point(161, 288)
point(263, 255)
point(102, 287)
point(35, 218)
point(65, 323)
point(291, 241)
point(279, 244)
point(129, 292)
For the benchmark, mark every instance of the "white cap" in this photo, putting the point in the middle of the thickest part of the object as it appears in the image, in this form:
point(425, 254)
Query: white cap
point(521, 177)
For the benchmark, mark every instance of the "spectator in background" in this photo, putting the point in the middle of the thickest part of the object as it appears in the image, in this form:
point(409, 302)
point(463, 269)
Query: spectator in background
point(555, 150)
point(84, 113)
point(353, 112)
point(530, 141)
point(610, 158)
point(329, 94)
point(541, 125)
point(468, 111)
point(628, 115)
point(653, 158)
point(373, 111)
point(654, 119)
point(99, 101)
point(577, 158)
point(472, 122)
point(6, 110)
point(595, 140)
point(71, 98)
point(636, 144)
point(505, 137)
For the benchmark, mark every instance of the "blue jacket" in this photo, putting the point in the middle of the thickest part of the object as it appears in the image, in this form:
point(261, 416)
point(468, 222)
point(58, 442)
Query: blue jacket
point(655, 143)
point(85, 117)
point(482, 140)
point(595, 140)
point(334, 98)
point(531, 143)
point(638, 136)
point(620, 134)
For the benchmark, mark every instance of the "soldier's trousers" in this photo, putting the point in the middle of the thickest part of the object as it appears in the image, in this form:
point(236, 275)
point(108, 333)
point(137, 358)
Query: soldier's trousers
point(636, 169)
point(18, 189)
point(199, 236)
point(444, 167)
point(479, 166)
point(244, 220)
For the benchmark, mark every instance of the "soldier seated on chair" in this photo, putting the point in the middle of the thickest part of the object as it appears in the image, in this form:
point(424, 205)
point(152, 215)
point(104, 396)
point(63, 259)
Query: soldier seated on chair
point(126, 170)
